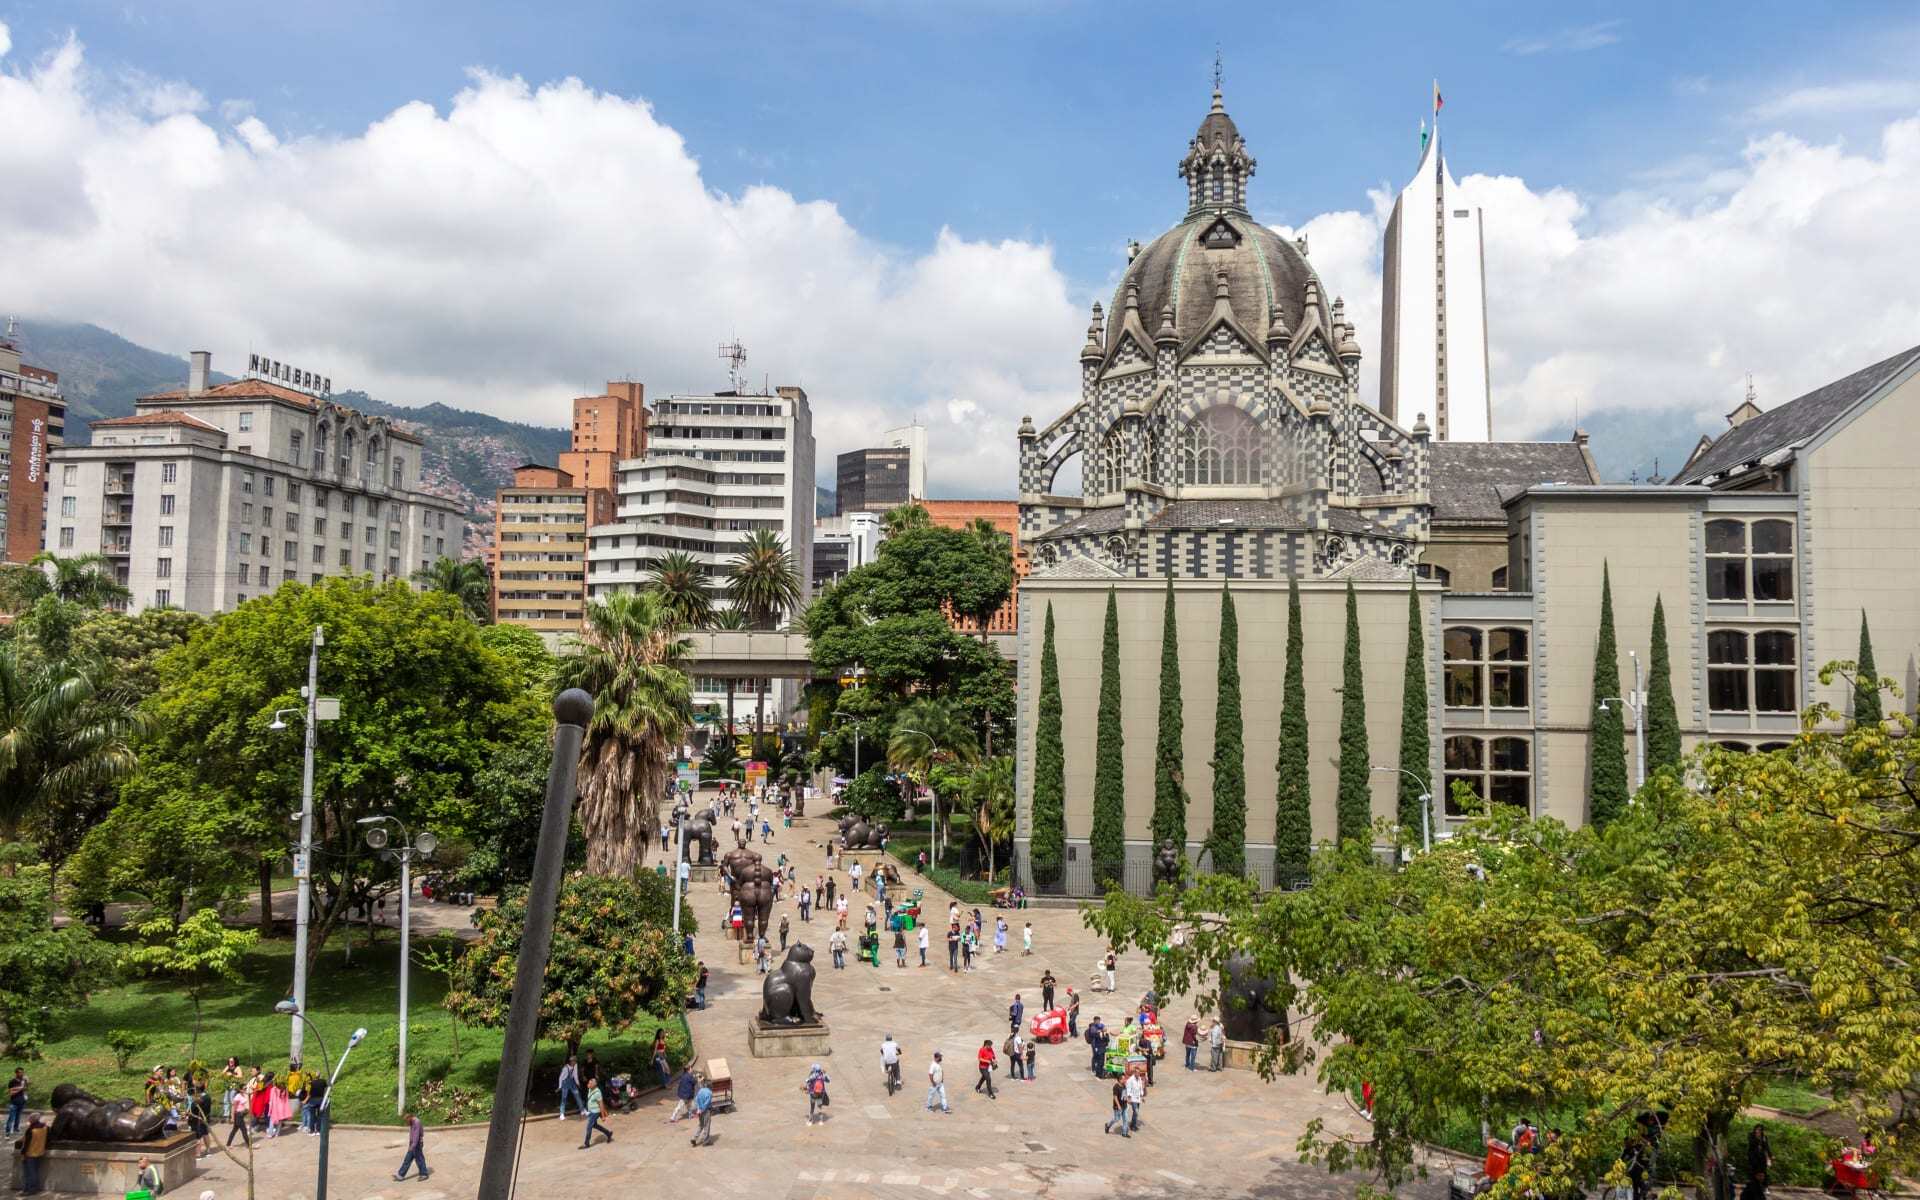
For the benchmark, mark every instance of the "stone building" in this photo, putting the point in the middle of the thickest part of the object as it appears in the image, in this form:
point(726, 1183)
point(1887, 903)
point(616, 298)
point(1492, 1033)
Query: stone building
point(1222, 444)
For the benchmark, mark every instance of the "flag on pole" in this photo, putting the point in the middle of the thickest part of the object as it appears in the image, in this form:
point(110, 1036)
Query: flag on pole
point(1438, 100)
point(1423, 133)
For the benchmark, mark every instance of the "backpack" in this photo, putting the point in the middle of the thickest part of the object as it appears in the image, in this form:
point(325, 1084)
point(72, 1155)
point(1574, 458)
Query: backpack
point(819, 1085)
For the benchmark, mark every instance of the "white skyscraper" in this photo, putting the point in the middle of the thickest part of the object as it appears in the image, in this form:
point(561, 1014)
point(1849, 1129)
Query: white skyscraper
point(1433, 343)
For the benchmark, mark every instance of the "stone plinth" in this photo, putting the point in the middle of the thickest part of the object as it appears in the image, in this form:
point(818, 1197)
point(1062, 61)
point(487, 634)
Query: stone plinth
point(108, 1168)
point(703, 872)
point(868, 860)
point(1240, 1054)
point(787, 1041)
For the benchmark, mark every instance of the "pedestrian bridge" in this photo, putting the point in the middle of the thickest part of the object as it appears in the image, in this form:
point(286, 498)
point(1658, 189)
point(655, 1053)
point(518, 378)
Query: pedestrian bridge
point(775, 654)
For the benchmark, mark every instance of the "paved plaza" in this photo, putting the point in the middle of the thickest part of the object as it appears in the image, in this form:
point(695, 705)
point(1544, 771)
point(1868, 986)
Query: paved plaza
point(1225, 1134)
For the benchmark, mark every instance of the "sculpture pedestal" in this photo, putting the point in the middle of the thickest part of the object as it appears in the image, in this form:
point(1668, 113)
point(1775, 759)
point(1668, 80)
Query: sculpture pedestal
point(703, 872)
point(868, 860)
point(108, 1168)
point(1240, 1054)
point(787, 1041)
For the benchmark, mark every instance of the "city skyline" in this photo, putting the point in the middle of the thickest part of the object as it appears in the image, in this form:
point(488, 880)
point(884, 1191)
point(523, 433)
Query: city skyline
point(460, 229)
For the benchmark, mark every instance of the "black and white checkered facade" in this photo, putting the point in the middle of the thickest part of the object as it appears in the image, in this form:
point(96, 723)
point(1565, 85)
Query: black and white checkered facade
point(1219, 430)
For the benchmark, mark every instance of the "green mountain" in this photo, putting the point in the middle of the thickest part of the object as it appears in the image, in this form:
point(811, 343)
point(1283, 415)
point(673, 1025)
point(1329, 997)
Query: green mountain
point(468, 455)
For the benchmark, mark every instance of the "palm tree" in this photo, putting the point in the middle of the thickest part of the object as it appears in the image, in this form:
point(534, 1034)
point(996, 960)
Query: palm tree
point(84, 579)
point(927, 733)
point(765, 587)
point(465, 579)
point(682, 583)
point(907, 516)
point(632, 660)
point(991, 789)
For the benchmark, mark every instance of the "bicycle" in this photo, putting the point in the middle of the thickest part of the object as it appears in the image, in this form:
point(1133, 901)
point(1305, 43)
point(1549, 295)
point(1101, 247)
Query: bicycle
point(893, 1077)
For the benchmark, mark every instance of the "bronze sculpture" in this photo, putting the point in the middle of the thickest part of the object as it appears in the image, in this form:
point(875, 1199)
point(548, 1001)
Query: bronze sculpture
point(786, 998)
point(753, 892)
point(862, 836)
point(1243, 1002)
point(1167, 863)
point(79, 1116)
point(698, 837)
point(737, 860)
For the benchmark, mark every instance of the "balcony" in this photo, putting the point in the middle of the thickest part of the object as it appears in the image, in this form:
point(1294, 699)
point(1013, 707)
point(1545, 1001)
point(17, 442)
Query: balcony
point(119, 487)
point(117, 549)
point(113, 518)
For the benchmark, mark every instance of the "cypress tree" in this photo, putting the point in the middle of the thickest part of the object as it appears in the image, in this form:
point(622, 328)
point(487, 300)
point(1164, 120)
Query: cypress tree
point(1663, 721)
point(1108, 841)
point(1355, 801)
point(1293, 801)
point(1228, 839)
point(1046, 846)
point(1416, 750)
point(1607, 761)
point(1866, 685)
point(1169, 775)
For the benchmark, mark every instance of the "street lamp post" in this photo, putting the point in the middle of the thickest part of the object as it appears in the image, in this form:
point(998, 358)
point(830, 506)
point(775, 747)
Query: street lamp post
point(1426, 804)
point(1637, 702)
point(317, 710)
point(291, 1008)
point(424, 845)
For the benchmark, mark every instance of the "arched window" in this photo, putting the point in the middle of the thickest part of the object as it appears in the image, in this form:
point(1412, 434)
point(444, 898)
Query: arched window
point(346, 451)
point(1111, 476)
point(373, 450)
point(1221, 446)
point(320, 447)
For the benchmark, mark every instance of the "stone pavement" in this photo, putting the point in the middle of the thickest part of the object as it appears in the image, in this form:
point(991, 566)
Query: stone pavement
point(1226, 1134)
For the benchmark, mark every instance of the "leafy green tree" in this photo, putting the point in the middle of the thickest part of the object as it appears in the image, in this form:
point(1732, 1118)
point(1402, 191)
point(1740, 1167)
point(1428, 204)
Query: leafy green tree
point(1169, 752)
point(425, 704)
point(928, 733)
point(130, 646)
point(44, 972)
point(1355, 804)
point(1607, 761)
point(682, 584)
point(1867, 708)
point(632, 660)
point(197, 952)
point(83, 579)
point(991, 790)
point(909, 516)
point(1416, 751)
point(525, 653)
point(1293, 801)
point(1107, 842)
point(614, 958)
point(722, 759)
point(1663, 720)
point(874, 795)
point(1047, 840)
point(465, 579)
point(502, 821)
point(1227, 840)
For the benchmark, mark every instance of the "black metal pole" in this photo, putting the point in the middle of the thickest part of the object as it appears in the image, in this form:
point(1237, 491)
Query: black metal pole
point(572, 709)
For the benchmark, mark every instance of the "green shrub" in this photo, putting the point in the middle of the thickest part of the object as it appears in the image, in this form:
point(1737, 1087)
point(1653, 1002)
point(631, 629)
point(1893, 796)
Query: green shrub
point(873, 796)
point(1800, 1152)
point(124, 1043)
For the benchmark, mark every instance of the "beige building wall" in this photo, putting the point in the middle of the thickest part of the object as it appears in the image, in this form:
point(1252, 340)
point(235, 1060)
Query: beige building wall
point(1862, 544)
point(1469, 555)
point(1079, 610)
point(1645, 545)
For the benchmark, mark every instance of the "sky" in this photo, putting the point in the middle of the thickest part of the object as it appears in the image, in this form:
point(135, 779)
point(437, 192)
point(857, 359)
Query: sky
point(908, 207)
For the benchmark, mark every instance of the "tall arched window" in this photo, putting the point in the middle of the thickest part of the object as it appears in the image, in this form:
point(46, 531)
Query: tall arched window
point(1112, 474)
point(1221, 446)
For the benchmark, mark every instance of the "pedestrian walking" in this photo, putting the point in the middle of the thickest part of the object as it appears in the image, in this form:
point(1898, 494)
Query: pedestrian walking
point(200, 1118)
point(684, 1091)
point(416, 1149)
point(830, 887)
point(766, 831)
point(703, 1109)
point(936, 1084)
point(837, 945)
point(1073, 1013)
point(953, 947)
point(853, 874)
point(1112, 964)
point(1026, 940)
point(16, 1100)
point(966, 949)
point(1136, 1095)
point(1047, 982)
point(922, 938)
point(1016, 1056)
point(1014, 1012)
point(1216, 1045)
point(1097, 1042)
point(986, 1060)
point(1190, 1039)
point(816, 1089)
point(999, 935)
point(783, 931)
point(595, 1103)
point(1032, 1056)
point(661, 1066)
point(806, 904)
point(761, 956)
point(33, 1155)
point(899, 947)
point(700, 986)
point(1118, 1117)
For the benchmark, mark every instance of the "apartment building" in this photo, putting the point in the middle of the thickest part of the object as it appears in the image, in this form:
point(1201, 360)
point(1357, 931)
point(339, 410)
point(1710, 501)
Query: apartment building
point(540, 550)
point(210, 494)
point(33, 419)
point(606, 429)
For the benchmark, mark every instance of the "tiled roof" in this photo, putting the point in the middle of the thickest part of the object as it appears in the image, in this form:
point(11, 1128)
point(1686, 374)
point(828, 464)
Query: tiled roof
point(1470, 478)
point(1794, 422)
point(1098, 520)
point(165, 416)
point(1076, 567)
point(239, 389)
point(1235, 514)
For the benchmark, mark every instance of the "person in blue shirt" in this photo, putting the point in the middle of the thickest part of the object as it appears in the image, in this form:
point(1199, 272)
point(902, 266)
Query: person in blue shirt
point(703, 1108)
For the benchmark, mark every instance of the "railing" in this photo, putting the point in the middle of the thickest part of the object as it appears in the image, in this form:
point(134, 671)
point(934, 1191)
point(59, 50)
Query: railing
point(122, 517)
point(119, 487)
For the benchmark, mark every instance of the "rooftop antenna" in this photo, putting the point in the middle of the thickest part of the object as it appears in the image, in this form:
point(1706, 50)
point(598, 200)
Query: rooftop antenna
point(1217, 73)
point(736, 356)
point(1752, 396)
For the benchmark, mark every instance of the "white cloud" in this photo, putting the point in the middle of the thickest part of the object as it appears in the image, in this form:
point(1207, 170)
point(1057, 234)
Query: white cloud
point(1572, 40)
point(1827, 100)
point(509, 251)
point(1799, 267)
point(6, 39)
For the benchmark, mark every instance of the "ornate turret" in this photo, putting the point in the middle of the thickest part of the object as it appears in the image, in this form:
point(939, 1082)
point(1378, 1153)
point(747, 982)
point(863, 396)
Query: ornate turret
point(1217, 165)
point(1166, 335)
point(1091, 352)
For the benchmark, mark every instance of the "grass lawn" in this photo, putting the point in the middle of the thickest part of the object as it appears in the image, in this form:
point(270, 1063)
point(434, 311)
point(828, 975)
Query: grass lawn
point(1792, 1096)
point(239, 1020)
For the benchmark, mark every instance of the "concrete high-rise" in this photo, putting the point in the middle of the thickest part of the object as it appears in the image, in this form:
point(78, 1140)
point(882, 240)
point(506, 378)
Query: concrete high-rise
point(1433, 337)
point(33, 420)
point(884, 475)
point(606, 429)
point(540, 550)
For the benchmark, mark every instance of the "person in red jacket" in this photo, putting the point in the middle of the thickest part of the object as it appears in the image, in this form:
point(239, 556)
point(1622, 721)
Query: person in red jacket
point(986, 1069)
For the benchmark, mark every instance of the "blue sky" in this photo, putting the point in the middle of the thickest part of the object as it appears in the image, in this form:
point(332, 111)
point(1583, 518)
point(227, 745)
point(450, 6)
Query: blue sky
point(1046, 129)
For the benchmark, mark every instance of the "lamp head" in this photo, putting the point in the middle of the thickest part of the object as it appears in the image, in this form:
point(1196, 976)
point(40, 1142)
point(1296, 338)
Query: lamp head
point(277, 725)
point(357, 1037)
point(425, 844)
point(376, 836)
point(287, 1008)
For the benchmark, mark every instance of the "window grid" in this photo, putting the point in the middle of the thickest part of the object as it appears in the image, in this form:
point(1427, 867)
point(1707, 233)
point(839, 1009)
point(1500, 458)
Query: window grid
point(1486, 668)
point(1498, 769)
point(1752, 672)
